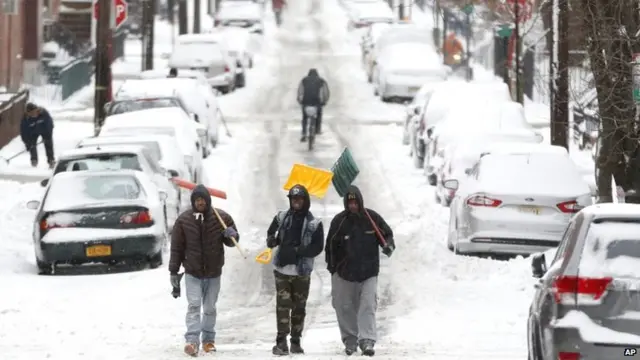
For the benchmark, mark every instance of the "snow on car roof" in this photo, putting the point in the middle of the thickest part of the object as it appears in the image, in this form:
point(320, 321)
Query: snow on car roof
point(119, 139)
point(92, 150)
point(539, 174)
point(161, 117)
point(162, 74)
point(613, 210)
point(136, 88)
point(411, 56)
point(200, 38)
point(522, 148)
point(239, 10)
point(373, 10)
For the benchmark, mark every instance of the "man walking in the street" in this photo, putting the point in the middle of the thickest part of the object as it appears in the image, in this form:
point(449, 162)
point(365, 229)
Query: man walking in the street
point(197, 243)
point(37, 123)
point(299, 238)
point(353, 259)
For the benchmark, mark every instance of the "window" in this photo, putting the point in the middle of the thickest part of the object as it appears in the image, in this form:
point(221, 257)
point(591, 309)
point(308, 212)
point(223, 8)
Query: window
point(564, 242)
point(10, 7)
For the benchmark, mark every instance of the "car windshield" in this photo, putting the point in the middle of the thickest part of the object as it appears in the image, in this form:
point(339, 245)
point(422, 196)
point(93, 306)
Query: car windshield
point(139, 130)
point(99, 162)
point(152, 146)
point(90, 190)
point(125, 106)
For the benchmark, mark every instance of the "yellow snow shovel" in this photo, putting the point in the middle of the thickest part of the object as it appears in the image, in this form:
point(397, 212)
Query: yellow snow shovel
point(317, 181)
point(264, 257)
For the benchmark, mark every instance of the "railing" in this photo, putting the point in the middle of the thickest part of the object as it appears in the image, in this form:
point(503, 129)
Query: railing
point(72, 75)
point(11, 113)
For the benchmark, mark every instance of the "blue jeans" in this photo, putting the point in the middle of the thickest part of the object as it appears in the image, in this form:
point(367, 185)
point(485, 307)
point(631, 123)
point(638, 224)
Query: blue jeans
point(202, 294)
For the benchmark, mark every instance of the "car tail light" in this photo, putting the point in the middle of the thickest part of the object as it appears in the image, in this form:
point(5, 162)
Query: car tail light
point(570, 207)
point(563, 355)
point(481, 200)
point(137, 218)
point(44, 225)
point(573, 290)
point(226, 68)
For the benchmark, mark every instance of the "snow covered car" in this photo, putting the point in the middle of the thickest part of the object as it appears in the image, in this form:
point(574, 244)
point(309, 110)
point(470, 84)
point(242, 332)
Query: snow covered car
point(99, 217)
point(515, 203)
point(586, 294)
point(118, 157)
point(196, 98)
point(414, 109)
point(491, 121)
point(397, 33)
point(171, 122)
point(237, 42)
point(403, 68)
point(202, 52)
point(164, 149)
point(443, 97)
point(243, 14)
point(363, 14)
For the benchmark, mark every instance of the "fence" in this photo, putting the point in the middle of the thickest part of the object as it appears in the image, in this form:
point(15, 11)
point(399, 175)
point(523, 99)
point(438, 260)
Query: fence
point(11, 113)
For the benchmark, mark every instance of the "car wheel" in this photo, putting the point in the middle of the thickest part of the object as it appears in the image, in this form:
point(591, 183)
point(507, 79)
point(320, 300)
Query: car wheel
point(417, 161)
point(432, 179)
point(44, 268)
point(156, 260)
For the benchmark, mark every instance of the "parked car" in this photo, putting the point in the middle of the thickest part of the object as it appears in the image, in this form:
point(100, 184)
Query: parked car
point(402, 69)
point(197, 99)
point(244, 14)
point(202, 52)
point(495, 121)
point(397, 33)
point(237, 43)
point(99, 217)
point(132, 157)
point(586, 293)
point(515, 203)
point(414, 109)
point(443, 97)
point(171, 122)
point(363, 14)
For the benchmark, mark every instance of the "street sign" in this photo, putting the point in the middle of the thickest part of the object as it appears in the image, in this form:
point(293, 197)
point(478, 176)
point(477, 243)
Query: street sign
point(505, 31)
point(122, 11)
point(467, 9)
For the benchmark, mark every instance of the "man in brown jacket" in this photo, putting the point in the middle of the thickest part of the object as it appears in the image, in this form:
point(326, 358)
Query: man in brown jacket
point(197, 244)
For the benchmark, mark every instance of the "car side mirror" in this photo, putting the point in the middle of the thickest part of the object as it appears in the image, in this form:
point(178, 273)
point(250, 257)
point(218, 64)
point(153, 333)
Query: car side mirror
point(162, 195)
point(450, 184)
point(173, 173)
point(44, 182)
point(33, 205)
point(538, 265)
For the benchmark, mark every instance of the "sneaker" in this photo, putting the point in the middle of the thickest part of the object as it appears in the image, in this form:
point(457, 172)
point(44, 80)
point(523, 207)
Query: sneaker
point(350, 350)
point(303, 138)
point(209, 347)
point(281, 348)
point(295, 346)
point(367, 348)
point(191, 349)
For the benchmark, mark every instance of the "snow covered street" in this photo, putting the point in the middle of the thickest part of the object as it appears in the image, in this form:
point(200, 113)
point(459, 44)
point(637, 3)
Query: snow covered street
point(432, 304)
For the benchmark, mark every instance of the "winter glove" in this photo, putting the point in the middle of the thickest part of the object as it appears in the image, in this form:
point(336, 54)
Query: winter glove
point(230, 233)
point(272, 241)
point(388, 250)
point(175, 284)
point(287, 255)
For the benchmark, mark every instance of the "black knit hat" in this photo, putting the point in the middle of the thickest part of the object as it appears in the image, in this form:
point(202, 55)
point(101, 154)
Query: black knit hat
point(30, 107)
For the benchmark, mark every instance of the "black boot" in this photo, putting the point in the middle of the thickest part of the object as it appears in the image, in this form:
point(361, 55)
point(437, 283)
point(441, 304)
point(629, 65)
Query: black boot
point(295, 346)
point(303, 138)
point(281, 348)
point(367, 348)
point(350, 349)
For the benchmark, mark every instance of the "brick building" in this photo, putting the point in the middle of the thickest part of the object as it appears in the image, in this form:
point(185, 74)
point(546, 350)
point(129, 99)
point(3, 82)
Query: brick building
point(11, 44)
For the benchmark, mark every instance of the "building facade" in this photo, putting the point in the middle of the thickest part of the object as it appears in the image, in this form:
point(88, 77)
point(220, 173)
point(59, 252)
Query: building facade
point(11, 44)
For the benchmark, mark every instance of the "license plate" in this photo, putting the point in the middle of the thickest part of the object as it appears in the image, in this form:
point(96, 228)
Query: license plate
point(98, 250)
point(530, 210)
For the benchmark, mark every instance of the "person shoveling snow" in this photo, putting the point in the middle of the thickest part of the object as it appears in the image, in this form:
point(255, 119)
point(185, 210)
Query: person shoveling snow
point(36, 123)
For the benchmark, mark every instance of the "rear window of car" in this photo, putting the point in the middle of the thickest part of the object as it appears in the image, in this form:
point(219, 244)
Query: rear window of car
point(91, 189)
point(528, 170)
point(612, 249)
point(125, 106)
point(152, 146)
point(198, 51)
point(100, 162)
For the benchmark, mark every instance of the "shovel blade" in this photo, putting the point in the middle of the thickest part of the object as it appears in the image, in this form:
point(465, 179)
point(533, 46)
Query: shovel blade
point(264, 257)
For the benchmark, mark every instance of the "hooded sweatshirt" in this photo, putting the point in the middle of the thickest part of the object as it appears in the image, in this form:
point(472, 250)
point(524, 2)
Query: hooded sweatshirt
point(197, 242)
point(300, 237)
point(353, 248)
point(313, 90)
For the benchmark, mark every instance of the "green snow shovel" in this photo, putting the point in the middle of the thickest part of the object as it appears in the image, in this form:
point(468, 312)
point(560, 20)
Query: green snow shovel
point(345, 171)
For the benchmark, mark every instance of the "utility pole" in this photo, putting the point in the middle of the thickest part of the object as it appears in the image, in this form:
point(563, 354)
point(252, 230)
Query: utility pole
point(516, 11)
point(103, 63)
point(445, 25)
point(400, 9)
point(196, 16)
point(148, 30)
point(183, 20)
point(560, 74)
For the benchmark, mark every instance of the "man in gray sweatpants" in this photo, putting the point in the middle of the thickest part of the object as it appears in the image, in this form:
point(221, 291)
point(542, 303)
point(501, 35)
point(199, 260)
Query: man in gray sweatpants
point(352, 254)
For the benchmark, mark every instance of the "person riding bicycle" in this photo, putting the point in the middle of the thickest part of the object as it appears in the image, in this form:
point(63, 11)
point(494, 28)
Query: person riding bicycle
point(312, 91)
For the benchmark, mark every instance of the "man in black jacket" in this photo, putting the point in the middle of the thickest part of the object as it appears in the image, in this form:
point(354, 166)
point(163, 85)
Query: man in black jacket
point(36, 123)
point(312, 91)
point(299, 238)
point(353, 259)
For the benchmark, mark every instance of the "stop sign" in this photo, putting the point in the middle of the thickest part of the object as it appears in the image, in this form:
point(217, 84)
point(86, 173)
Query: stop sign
point(122, 11)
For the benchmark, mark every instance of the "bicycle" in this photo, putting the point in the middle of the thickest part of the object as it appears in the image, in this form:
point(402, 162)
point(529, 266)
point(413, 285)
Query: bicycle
point(312, 117)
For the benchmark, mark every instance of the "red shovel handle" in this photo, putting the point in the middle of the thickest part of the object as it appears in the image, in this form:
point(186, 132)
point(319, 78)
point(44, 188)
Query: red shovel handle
point(375, 228)
point(190, 186)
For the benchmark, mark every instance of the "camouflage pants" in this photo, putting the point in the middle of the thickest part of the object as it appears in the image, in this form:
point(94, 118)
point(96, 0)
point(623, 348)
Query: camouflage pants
point(291, 302)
